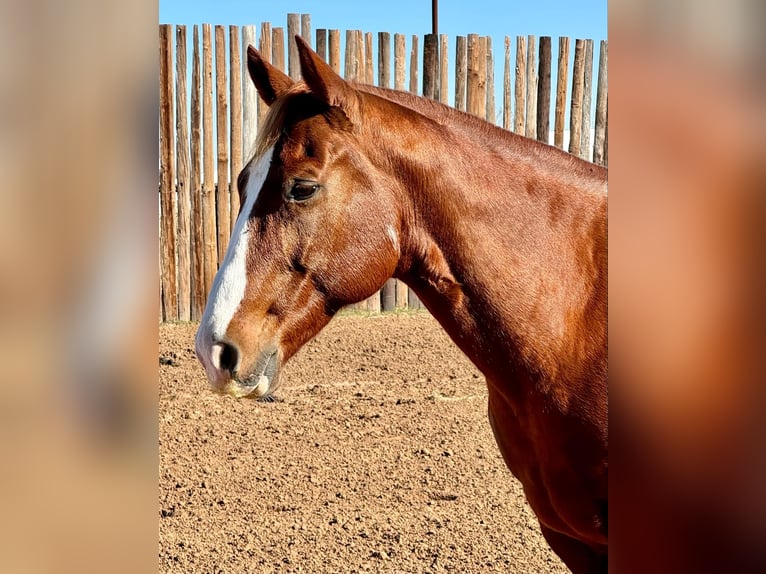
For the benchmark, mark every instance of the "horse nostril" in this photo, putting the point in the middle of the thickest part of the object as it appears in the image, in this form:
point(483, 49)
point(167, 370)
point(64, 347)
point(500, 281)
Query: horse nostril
point(226, 357)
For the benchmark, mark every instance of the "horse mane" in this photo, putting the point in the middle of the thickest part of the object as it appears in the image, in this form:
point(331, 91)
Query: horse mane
point(504, 142)
point(274, 120)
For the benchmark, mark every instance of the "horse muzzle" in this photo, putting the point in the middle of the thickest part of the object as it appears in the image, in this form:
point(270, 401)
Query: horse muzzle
point(229, 372)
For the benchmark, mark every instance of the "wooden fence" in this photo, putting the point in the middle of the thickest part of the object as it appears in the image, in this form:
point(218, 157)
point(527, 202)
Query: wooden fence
point(198, 196)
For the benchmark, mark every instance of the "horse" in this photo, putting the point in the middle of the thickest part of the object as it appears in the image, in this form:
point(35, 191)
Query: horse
point(503, 239)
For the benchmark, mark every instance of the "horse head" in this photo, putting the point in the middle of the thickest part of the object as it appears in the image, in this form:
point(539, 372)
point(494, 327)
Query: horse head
point(317, 229)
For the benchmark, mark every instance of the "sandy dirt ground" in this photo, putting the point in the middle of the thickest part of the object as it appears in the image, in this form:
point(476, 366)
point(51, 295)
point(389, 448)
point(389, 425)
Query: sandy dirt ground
point(377, 456)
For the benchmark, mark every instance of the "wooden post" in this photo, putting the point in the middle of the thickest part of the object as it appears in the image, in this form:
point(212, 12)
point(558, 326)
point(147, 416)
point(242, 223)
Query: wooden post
point(600, 135)
point(208, 190)
point(507, 123)
point(264, 47)
point(322, 43)
point(461, 69)
point(369, 69)
point(334, 42)
point(167, 179)
point(349, 69)
point(293, 28)
point(278, 48)
point(482, 85)
point(251, 107)
point(235, 123)
point(384, 59)
point(544, 91)
point(521, 70)
point(222, 189)
point(561, 92)
point(443, 69)
point(305, 28)
point(531, 125)
point(430, 65)
point(399, 61)
point(490, 82)
point(585, 149)
point(359, 61)
point(472, 76)
point(575, 114)
point(184, 197)
point(195, 187)
point(414, 65)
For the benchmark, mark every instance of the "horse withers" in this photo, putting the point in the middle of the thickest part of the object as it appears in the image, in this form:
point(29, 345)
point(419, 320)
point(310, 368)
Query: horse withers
point(503, 238)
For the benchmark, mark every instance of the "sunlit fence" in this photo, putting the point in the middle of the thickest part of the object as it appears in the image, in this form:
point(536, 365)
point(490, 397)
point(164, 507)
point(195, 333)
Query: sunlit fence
point(210, 113)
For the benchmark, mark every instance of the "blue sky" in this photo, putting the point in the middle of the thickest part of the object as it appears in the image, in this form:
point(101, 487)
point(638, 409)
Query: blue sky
point(495, 18)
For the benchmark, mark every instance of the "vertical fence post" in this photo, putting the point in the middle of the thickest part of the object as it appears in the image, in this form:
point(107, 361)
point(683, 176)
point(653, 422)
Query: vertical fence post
point(430, 65)
point(600, 135)
point(482, 85)
point(349, 71)
point(278, 48)
point(461, 69)
point(472, 75)
point(414, 65)
point(305, 28)
point(521, 70)
point(334, 44)
point(384, 59)
point(322, 43)
point(235, 122)
point(250, 104)
point(507, 123)
point(222, 189)
point(399, 61)
point(182, 163)
point(585, 149)
point(490, 83)
point(530, 129)
point(544, 91)
point(359, 61)
point(293, 29)
point(443, 69)
point(208, 190)
point(575, 114)
point(369, 59)
point(167, 179)
point(561, 92)
point(195, 184)
point(265, 48)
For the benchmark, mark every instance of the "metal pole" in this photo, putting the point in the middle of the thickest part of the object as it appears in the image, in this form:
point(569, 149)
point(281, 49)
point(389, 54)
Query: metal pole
point(435, 17)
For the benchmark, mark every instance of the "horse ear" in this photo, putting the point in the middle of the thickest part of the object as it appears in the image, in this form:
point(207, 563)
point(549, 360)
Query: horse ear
point(270, 82)
point(325, 83)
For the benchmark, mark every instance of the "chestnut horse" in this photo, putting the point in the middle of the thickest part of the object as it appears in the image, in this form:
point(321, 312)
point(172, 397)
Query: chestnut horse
point(503, 238)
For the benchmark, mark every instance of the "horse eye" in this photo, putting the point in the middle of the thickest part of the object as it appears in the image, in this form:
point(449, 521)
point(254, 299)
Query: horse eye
point(303, 190)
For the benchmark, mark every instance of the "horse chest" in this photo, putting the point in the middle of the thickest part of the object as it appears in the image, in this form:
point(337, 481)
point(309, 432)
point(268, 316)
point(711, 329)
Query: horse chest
point(562, 468)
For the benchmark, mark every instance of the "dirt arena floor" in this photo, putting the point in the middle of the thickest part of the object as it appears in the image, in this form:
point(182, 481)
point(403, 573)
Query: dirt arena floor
point(376, 457)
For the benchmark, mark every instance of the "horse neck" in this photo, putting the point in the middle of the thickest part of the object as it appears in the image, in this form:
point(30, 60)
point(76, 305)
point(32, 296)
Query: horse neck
point(503, 239)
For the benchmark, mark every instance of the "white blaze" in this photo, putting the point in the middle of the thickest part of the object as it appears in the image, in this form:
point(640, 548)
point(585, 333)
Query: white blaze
point(228, 288)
